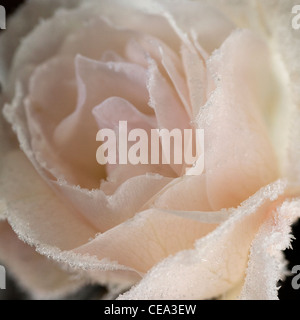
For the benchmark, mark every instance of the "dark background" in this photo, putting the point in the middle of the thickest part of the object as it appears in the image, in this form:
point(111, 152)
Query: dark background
point(10, 5)
point(293, 255)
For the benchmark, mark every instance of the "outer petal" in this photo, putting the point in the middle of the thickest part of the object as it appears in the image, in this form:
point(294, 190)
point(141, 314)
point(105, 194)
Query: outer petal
point(67, 24)
point(287, 126)
point(48, 224)
point(233, 123)
point(217, 262)
point(146, 239)
point(22, 23)
point(266, 261)
point(36, 273)
point(272, 19)
point(31, 204)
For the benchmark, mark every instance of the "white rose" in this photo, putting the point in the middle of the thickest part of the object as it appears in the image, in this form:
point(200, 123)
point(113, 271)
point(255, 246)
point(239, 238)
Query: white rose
point(230, 68)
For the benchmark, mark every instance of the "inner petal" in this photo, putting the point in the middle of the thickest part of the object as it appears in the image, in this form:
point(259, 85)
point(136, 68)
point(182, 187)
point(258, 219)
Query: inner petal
point(50, 99)
point(75, 136)
point(108, 115)
point(208, 26)
point(139, 49)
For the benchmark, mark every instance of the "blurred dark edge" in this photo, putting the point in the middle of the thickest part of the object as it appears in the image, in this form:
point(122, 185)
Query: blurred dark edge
point(13, 292)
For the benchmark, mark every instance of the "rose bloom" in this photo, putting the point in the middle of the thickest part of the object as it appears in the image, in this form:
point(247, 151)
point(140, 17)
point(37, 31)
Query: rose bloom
point(70, 68)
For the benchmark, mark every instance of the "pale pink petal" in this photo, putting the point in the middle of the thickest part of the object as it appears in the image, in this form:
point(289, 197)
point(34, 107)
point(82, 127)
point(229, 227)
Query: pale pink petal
point(20, 127)
point(50, 225)
point(38, 275)
point(31, 53)
point(14, 113)
point(237, 146)
point(21, 24)
point(115, 109)
point(142, 16)
point(209, 25)
point(217, 262)
point(124, 199)
point(140, 48)
point(111, 56)
point(188, 193)
point(285, 128)
point(121, 174)
point(33, 206)
point(267, 264)
point(52, 93)
point(173, 67)
point(169, 111)
point(292, 157)
point(45, 41)
point(75, 24)
point(197, 78)
point(108, 115)
point(149, 237)
point(102, 37)
point(75, 136)
point(50, 99)
point(228, 113)
point(47, 272)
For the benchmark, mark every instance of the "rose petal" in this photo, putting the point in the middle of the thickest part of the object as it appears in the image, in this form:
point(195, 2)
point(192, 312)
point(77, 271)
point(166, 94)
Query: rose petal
point(21, 24)
point(49, 225)
point(38, 275)
point(32, 51)
point(218, 261)
point(229, 114)
point(168, 62)
point(138, 15)
point(169, 112)
point(266, 264)
point(51, 98)
point(197, 79)
point(102, 36)
point(146, 239)
point(108, 114)
point(97, 81)
point(14, 113)
point(188, 193)
point(47, 219)
point(105, 211)
point(233, 112)
point(209, 25)
point(285, 129)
